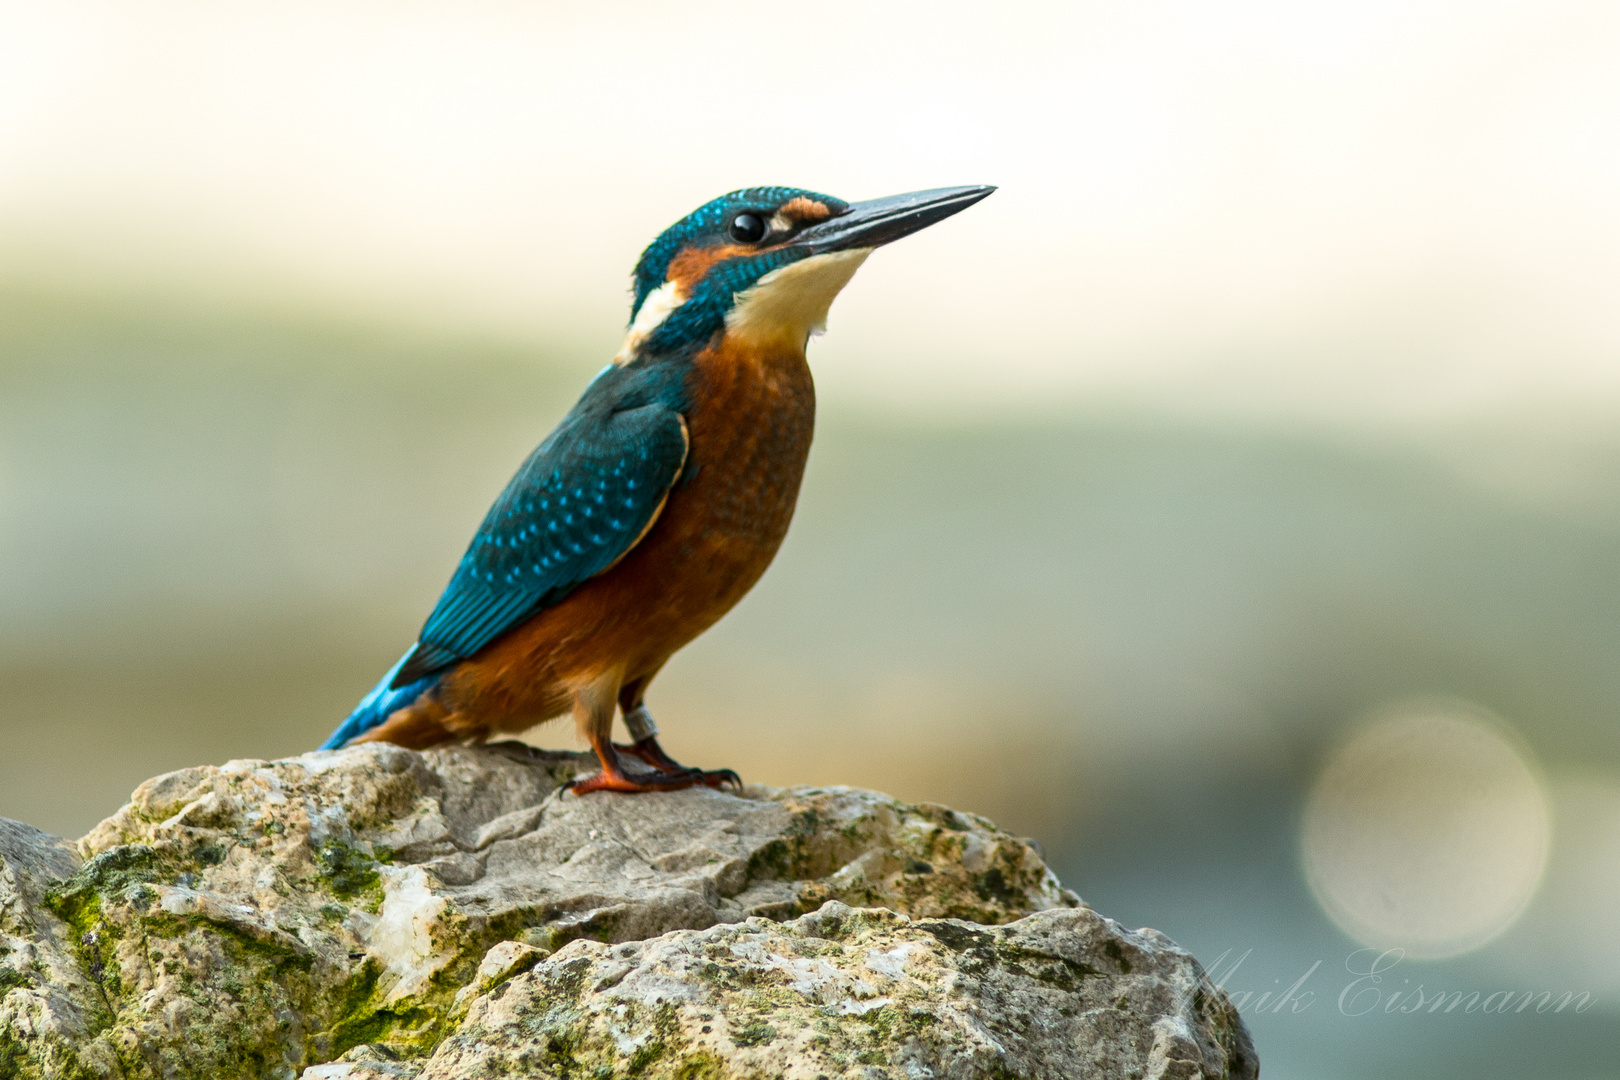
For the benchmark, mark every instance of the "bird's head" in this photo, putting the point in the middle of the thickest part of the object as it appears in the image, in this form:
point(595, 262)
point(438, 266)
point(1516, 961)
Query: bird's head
point(764, 264)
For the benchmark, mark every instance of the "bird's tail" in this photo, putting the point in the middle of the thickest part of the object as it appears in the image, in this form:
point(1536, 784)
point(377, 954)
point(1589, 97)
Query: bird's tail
point(378, 705)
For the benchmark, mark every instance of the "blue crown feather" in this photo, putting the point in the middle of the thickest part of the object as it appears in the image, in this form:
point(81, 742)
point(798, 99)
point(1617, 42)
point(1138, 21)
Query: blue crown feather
point(705, 225)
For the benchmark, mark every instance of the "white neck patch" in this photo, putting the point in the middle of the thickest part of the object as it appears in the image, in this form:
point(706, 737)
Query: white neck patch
point(649, 317)
point(790, 303)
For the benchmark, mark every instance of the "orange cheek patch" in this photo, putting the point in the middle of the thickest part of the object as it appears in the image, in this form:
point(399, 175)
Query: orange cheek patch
point(688, 268)
point(805, 210)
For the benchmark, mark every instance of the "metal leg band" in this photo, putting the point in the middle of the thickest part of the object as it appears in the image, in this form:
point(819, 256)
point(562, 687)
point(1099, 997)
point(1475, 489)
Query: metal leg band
point(639, 723)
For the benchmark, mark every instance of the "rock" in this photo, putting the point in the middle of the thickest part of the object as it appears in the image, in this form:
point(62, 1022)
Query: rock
point(49, 1008)
point(375, 912)
point(848, 991)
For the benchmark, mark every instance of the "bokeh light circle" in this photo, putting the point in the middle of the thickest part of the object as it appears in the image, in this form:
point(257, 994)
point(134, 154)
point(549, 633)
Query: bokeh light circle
point(1428, 830)
point(1570, 937)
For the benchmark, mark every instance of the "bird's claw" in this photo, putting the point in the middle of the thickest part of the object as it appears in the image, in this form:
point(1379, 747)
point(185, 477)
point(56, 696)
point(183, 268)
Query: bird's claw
point(717, 778)
point(648, 750)
point(643, 782)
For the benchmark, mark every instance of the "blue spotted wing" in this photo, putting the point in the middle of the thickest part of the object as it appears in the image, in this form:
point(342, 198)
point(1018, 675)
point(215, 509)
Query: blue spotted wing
point(579, 503)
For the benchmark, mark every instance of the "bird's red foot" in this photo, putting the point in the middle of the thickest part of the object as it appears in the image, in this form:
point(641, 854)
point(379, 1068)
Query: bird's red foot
point(649, 751)
point(671, 774)
point(615, 780)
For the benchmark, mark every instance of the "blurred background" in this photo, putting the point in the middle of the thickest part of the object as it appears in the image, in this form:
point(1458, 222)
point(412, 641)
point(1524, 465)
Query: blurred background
point(1230, 502)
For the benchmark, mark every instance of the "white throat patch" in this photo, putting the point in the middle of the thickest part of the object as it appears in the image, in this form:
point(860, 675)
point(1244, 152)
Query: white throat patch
point(652, 313)
point(790, 303)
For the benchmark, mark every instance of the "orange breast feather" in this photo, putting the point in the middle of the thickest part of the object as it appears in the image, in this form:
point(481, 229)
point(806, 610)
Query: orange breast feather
point(750, 423)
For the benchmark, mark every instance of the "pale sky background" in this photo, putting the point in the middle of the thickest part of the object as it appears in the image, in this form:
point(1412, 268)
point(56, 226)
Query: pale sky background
point(1381, 210)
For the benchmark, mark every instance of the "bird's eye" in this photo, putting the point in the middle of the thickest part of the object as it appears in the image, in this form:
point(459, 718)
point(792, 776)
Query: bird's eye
point(748, 228)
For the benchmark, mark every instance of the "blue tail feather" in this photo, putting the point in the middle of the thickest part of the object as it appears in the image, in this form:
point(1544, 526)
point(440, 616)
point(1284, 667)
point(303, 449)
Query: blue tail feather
point(378, 705)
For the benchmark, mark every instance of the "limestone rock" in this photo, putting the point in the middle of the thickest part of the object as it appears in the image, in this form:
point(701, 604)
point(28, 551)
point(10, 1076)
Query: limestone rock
point(375, 912)
point(48, 1006)
point(1062, 994)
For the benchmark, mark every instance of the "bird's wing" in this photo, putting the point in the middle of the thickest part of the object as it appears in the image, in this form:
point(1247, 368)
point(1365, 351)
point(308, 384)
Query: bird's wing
point(581, 501)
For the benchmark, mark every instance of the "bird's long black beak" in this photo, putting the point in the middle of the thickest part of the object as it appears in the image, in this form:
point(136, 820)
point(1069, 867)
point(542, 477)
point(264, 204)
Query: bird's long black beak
point(880, 221)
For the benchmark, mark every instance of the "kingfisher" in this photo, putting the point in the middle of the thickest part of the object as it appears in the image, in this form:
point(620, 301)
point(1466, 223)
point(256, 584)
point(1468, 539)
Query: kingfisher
point(659, 499)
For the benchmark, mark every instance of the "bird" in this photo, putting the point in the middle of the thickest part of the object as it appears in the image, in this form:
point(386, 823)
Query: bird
point(657, 501)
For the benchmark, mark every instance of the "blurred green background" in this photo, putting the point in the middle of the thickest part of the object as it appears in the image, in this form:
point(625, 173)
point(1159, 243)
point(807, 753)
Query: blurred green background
point(1231, 503)
point(1133, 637)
